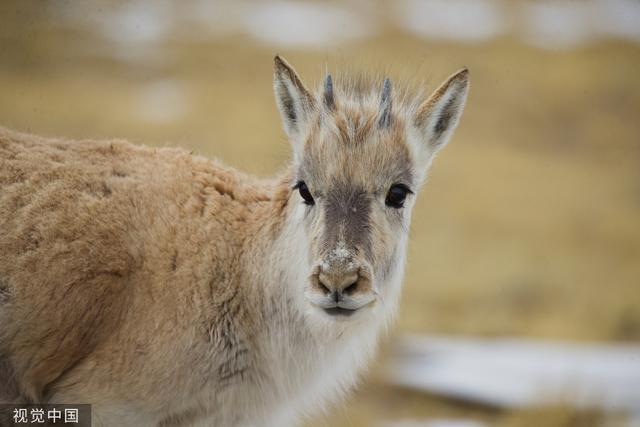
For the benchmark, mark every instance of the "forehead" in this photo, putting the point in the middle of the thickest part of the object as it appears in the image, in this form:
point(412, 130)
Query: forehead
point(346, 146)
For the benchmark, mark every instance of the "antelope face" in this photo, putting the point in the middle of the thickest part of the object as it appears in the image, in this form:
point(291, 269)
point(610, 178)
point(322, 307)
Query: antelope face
point(355, 201)
point(359, 160)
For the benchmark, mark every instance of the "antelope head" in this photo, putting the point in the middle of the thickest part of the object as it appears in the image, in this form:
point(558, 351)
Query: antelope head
point(361, 152)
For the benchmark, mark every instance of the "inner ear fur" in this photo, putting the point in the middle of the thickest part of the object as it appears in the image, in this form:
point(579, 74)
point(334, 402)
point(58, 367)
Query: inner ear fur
point(294, 100)
point(438, 116)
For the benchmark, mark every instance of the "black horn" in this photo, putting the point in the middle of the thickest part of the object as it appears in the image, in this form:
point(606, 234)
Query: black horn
point(385, 104)
point(328, 93)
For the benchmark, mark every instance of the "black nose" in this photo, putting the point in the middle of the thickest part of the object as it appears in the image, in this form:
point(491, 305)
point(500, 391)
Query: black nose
point(337, 293)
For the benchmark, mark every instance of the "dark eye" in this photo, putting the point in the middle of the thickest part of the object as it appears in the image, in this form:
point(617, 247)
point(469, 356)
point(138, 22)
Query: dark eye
point(304, 193)
point(396, 196)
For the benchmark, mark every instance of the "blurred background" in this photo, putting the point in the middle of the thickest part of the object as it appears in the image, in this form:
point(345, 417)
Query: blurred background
point(528, 232)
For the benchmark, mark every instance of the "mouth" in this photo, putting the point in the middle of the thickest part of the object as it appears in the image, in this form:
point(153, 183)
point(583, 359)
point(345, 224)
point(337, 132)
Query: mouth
point(339, 312)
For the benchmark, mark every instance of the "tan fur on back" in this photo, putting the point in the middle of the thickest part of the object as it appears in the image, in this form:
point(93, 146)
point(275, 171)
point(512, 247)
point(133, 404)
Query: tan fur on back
point(108, 247)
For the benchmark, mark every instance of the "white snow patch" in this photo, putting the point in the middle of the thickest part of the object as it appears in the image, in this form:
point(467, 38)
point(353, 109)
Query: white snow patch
point(520, 372)
point(566, 25)
point(463, 20)
point(135, 31)
point(138, 22)
point(296, 24)
point(618, 18)
point(557, 25)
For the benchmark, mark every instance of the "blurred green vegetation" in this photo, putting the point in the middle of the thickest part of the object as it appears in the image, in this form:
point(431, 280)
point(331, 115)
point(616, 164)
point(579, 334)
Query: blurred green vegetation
point(529, 224)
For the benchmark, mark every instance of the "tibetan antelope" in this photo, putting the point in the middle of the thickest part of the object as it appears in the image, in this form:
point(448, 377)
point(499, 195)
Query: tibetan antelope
point(166, 289)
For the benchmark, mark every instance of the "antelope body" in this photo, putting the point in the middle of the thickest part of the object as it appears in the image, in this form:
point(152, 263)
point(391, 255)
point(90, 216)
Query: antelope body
point(168, 290)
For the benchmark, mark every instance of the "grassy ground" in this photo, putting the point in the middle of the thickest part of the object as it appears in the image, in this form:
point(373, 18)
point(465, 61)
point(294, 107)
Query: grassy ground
point(530, 224)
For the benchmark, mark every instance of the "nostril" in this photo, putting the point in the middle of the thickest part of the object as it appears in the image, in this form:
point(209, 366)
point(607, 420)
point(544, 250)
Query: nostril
point(324, 288)
point(351, 288)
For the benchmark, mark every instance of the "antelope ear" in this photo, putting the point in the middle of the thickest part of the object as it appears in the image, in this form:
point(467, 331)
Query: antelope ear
point(294, 100)
point(438, 116)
